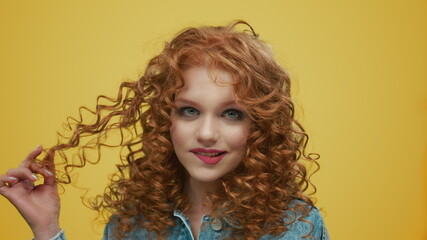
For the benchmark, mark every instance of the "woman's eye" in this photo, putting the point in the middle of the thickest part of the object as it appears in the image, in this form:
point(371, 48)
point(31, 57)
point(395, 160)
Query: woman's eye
point(233, 114)
point(188, 112)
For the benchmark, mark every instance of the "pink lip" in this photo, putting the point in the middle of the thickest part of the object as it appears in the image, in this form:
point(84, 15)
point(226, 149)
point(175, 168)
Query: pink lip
point(207, 159)
point(203, 150)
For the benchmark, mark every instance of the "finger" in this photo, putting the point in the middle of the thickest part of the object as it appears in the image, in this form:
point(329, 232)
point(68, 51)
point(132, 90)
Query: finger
point(49, 180)
point(40, 169)
point(49, 165)
point(28, 185)
point(49, 176)
point(22, 173)
point(48, 160)
point(30, 158)
point(5, 183)
point(6, 180)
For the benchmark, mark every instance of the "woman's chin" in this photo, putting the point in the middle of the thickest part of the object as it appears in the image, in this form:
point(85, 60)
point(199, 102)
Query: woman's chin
point(205, 177)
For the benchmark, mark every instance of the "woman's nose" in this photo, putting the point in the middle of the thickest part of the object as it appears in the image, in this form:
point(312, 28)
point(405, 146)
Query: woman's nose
point(208, 132)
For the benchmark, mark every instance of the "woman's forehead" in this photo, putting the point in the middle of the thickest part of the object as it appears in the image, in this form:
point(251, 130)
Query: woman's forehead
point(215, 74)
point(201, 83)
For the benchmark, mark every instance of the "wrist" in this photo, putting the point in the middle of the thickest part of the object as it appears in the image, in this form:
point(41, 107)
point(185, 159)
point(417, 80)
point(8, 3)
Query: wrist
point(46, 233)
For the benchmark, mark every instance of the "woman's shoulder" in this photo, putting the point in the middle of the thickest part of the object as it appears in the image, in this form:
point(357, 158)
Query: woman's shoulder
point(305, 222)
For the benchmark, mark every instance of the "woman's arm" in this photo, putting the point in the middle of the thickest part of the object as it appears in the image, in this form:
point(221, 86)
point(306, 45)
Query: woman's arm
point(39, 205)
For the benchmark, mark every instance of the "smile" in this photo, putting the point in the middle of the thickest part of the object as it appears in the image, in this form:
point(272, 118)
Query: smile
point(209, 156)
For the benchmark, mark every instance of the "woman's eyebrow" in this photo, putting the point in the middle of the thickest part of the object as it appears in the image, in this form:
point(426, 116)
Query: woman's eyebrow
point(190, 102)
point(187, 101)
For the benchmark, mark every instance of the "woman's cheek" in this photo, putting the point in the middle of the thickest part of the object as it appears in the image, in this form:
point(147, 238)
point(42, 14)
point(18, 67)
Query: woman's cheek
point(237, 137)
point(180, 132)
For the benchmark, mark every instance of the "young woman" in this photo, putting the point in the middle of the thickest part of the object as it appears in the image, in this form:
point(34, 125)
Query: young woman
point(213, 149)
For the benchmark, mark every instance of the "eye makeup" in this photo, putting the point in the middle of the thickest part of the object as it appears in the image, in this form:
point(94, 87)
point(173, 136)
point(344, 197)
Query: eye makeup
point(233, 114)
point(188, 112)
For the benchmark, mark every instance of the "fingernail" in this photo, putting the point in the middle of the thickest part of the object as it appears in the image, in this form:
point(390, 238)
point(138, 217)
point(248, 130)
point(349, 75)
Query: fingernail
point(34, 176)
point(48, 172)
point(12, 178)
point(38, 146)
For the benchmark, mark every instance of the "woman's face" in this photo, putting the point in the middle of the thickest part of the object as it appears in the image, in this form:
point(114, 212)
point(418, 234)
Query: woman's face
point(209, 130)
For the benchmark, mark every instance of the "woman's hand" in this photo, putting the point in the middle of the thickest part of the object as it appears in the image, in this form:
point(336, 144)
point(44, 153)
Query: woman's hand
point(39, 205)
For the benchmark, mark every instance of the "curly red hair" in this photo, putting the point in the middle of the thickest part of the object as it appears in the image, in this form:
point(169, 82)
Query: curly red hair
point(149, 184)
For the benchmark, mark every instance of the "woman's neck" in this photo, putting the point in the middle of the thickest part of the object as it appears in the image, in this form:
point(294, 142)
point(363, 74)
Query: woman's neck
point(196, 191)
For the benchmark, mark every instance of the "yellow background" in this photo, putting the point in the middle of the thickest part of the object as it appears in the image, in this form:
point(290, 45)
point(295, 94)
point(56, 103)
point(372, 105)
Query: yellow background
point(360, 82)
